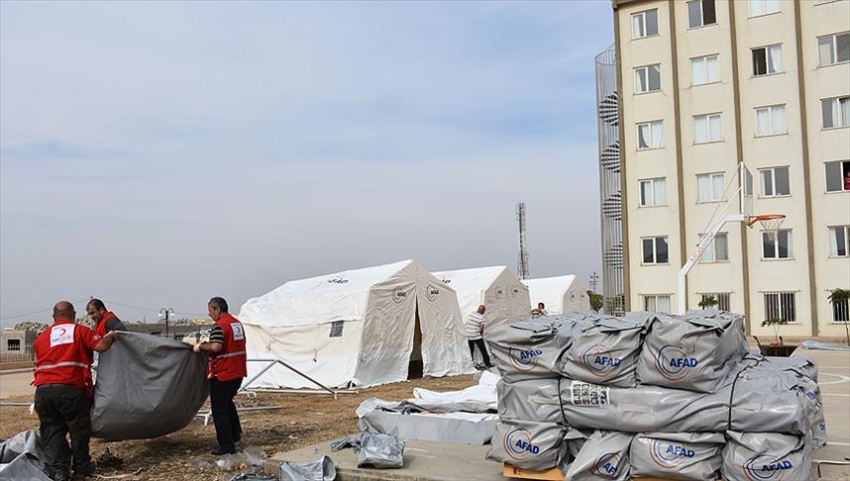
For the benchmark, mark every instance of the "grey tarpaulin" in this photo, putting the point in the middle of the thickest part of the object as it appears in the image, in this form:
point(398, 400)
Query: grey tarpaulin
point(25, 445)
point(529, 445)
point(524, 350)
point(605, 352)
point(23, 467)
point(687, 456)
point(380, 450)
point(748, 456)
point(147, 386)
point(530, 400)
point(604, 457)
point(321, 469)
point(695, 352)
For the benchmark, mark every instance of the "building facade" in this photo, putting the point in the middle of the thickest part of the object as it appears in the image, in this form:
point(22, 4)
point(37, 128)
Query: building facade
point(704, 85)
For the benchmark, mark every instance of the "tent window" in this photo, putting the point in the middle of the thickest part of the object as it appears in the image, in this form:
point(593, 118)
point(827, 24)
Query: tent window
point(336, 329)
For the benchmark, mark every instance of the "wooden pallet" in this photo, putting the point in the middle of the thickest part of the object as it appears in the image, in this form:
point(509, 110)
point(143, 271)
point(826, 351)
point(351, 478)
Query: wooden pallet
point(553, 474)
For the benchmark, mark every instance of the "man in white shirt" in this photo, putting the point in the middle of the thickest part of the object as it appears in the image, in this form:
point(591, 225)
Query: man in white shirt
point(474, 328)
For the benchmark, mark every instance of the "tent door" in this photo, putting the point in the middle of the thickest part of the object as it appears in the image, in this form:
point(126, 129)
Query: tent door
point(416, 366)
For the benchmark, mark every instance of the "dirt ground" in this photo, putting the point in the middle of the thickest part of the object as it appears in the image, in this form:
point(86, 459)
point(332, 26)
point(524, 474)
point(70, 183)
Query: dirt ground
point(303, 420)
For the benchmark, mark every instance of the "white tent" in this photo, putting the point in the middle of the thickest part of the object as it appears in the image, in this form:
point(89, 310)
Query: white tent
point(360, 327)
point(560, 294)
point(505, 297)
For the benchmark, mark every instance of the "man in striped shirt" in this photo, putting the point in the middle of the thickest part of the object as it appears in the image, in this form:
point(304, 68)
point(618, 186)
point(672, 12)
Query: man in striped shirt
point(474, 329)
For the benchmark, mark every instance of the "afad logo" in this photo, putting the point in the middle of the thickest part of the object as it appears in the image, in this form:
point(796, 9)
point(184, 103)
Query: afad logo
point(673, 363)
point(518, 444)
point(762, 467)
point(399, 295)
point(499, 292)
point(337, 280)
point(431, 292)
point(524, 359)
point(669, 455)
point(599, 360)
point(606, 465)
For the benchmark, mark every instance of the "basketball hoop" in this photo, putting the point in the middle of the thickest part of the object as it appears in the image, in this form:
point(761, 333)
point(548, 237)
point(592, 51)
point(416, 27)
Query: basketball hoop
point(770, 223)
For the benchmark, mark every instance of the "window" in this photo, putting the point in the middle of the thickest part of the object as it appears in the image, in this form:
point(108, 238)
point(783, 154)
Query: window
point(763, 7)
point(780, 305)
point(701, 13)
point(704, 70)
point(723, 300)
point(653, 192)
point(156, 333)
point(13, 344)
point(841, 311)
point(336, 329)
point(770, 120)
point(710, 187)
point(648, 78)
point(777, 246)
point(774, 182)
point(656, 303)
point(655, 250)
point(838, 176)
point(645, 24)
point(650, 135)
point(836, 112)
point(706, 128)
point(833, 49)
point(717, 250)
point(838, 241)
point(767, 60)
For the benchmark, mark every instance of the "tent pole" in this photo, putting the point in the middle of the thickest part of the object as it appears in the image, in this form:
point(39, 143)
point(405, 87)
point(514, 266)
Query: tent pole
point(272, 362)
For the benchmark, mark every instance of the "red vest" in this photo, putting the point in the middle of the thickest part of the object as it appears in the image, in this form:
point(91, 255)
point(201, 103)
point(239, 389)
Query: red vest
point(100, 328)
point(231, 362)
point(63, 354)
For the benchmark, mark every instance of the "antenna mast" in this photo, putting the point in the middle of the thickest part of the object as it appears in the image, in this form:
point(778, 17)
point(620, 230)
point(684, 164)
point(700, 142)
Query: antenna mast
point(522, 264)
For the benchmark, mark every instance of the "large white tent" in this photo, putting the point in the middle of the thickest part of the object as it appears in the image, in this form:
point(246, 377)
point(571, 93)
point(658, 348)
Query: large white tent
point(560, 294)
point(505, 297)
point(359, 327)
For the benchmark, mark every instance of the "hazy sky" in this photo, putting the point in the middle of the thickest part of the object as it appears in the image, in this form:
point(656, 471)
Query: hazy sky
point(158, 154)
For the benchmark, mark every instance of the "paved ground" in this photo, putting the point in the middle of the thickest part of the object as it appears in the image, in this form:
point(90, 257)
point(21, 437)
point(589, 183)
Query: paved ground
point(16, 383)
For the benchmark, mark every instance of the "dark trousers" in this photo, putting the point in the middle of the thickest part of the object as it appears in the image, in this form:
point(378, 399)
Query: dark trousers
point(481, 347)
point(228, 430)
point(62, 409)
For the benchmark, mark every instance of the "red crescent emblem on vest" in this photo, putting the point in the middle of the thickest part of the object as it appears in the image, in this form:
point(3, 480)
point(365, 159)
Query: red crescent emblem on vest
point(62, 331)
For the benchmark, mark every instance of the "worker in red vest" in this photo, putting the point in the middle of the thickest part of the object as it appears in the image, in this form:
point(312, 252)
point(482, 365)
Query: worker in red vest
point(63, 356)
point(104, 321)
point(226, 367)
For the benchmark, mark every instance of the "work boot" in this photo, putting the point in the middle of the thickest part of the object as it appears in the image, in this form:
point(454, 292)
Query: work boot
point(220, 451)
point(86, 470)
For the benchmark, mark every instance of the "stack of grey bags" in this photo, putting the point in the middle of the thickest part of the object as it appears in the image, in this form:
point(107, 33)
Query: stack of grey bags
point(676, 397)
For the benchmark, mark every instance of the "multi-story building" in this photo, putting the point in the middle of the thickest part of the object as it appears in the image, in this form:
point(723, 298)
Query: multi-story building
point(704, 85)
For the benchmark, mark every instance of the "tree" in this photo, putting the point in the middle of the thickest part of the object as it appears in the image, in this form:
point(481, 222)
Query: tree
point(596, 301)
point(775, 323)
point(837, 297)
point(707, 301)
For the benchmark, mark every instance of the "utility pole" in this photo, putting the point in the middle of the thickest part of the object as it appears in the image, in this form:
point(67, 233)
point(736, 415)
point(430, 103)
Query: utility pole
point(594, 280)
point(165, 313)
point(522, 264)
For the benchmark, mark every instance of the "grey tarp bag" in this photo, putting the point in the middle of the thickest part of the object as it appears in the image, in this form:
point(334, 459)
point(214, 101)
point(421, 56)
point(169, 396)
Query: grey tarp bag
point(524, 350)
point(605, 352)
point(802, 365)
point(147, 386)
point(322, 469)
point(529, 400)
point(642, 408)
point(604, 456)
point(528, 445)
point(686, 456)
point(695, 352)
point(380, 450)
point(765, 456)
point(769, 404)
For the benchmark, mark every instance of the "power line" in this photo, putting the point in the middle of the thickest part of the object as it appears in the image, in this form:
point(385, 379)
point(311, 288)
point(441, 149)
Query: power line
point(37, 312)
point(105, 301)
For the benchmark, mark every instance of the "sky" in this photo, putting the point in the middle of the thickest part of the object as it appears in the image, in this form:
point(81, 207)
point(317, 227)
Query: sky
point(157, 154)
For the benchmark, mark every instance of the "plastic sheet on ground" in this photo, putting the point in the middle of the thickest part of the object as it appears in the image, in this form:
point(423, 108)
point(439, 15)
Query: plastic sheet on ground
point(824, 346)
point(380, 451)
point(695, 352)
point(147, 387)
point(604, 457)
point(24, 467)
point(24, 449)
point(321, 469)
point(749, 456)
point(685, 456)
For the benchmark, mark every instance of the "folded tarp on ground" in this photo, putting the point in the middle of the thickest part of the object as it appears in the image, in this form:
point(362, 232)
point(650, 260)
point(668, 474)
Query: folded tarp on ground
point(147, 387)
point(22, 457)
